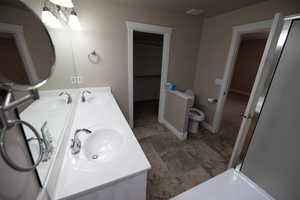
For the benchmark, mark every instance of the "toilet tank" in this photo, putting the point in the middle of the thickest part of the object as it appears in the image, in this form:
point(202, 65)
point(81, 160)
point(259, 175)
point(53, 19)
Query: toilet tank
point(177, 108)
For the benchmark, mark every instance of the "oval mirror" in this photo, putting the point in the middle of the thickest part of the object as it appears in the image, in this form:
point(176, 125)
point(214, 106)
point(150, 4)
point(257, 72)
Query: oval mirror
point(27, 53)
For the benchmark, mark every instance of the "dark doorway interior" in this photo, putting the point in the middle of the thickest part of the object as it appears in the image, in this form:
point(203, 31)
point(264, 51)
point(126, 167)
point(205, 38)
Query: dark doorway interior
point(246, 66)
point(147, 61)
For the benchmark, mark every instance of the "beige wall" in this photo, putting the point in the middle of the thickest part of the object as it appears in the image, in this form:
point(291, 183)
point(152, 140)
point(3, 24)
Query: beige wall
point(246, 66)
point(104, 30)
point(64, 65)
point(215, 42)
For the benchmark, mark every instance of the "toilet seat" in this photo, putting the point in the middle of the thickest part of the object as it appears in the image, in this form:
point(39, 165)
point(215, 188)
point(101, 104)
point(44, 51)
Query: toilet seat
point(196, 114)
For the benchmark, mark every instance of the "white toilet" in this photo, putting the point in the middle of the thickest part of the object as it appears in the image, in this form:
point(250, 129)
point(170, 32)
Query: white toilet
point(195, 115)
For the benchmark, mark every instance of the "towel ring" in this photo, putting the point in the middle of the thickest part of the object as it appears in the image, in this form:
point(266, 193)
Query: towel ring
point(94, 57)
point(4, 153)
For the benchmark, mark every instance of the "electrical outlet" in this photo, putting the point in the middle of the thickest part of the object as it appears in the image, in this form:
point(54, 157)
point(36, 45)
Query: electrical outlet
point(76, 80)
point(73, 80)
point(79, 79)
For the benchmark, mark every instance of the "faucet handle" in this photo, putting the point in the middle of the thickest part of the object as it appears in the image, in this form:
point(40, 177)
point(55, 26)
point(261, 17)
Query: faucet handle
point(87, 91)
point(72, 143)
point(69, 100)
point(83, 98)
point(84, 130)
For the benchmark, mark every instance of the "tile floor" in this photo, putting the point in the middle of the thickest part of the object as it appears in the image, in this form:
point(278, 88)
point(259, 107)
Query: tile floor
point(178, 165)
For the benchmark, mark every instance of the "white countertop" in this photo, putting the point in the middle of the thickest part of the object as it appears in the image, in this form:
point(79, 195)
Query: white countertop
point(79, 175)
point(42, 110)
point(181, 94)
point(229, 185)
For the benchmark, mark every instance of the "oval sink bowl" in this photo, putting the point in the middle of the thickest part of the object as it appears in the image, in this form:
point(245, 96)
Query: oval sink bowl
point(103, 144)
point(97, 99)
point(50, 104)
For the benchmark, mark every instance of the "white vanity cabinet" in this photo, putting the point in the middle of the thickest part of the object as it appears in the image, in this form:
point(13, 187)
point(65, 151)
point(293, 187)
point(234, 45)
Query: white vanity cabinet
point(110, 165)
point(131, 188)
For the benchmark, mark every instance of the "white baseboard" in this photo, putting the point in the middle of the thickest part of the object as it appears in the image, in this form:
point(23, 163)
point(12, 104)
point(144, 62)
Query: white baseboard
point(178, 134)
point(208, 126)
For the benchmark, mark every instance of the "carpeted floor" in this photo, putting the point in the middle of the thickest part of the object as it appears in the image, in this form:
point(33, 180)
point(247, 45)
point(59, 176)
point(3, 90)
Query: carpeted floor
point(178, 165)
point(234, 106)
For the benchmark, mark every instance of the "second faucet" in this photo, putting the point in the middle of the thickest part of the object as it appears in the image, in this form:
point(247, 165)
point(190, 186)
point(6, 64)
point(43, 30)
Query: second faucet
point(69, 100)
point(83, 97)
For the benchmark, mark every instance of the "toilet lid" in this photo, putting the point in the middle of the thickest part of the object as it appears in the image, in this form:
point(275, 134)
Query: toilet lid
point(196, 114)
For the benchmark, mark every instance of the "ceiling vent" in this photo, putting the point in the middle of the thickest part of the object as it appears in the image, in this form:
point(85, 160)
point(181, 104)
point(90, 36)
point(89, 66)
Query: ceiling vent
point(194, 11)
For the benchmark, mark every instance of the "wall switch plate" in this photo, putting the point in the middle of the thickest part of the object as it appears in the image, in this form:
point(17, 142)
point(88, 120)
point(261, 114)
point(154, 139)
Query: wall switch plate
point(73, 80)
point(76, 80)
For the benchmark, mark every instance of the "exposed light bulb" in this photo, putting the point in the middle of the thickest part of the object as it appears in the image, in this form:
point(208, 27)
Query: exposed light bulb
point(61, 14)
point(63, 3)
point(49, 19)
point(74, 22)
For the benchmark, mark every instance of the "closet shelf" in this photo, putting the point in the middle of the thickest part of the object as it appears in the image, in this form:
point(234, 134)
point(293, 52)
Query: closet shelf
point(149, 44)
point(148, 76)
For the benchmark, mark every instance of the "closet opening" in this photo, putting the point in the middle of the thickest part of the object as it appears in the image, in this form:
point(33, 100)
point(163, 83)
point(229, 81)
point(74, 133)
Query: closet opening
point(147, 68)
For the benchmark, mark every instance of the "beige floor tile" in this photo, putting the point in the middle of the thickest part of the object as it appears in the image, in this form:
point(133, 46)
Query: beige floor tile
point(179, 165)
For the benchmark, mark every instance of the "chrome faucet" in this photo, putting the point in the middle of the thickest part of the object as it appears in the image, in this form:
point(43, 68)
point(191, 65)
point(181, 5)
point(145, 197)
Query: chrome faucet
point(83, 98)
point(47, 141)
point(76, 143)
point(69, 101)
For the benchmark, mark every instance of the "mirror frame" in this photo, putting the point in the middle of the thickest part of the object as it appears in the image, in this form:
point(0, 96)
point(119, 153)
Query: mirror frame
point(20, 87)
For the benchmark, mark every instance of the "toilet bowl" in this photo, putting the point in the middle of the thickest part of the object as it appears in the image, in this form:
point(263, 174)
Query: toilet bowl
point(195, 115)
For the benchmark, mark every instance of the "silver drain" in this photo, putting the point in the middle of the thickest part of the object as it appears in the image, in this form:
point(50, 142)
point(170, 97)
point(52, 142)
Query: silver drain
point(94, 157)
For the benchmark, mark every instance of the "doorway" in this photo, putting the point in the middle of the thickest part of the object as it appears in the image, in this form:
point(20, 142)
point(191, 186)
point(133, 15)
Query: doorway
point(153, 29)
point(12, 60)
point(246, 65)
point(147, 67)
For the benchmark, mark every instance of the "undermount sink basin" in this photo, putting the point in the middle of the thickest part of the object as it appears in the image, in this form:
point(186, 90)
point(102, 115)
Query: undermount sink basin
point(103, 144)
point(50, 104)
point(97, 99)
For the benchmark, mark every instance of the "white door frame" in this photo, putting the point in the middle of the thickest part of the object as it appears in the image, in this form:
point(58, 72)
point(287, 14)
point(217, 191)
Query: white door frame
point(237, 32)
point(18, 33)
point(264, 70)
point(148, 28)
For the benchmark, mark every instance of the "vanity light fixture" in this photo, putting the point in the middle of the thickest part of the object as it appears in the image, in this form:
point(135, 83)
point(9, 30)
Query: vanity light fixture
point(74, 22)
point(49, 19)
point(57, 15)
point(63, 3)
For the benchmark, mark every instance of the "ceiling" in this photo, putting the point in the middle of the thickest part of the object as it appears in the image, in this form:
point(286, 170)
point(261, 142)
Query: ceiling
point(210, 7)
